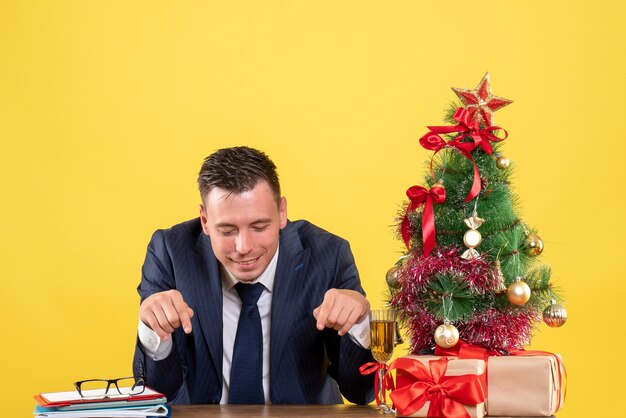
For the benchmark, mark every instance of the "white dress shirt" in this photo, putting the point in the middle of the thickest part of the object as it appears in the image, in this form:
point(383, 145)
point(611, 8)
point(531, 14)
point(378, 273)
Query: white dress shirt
point(158, 349)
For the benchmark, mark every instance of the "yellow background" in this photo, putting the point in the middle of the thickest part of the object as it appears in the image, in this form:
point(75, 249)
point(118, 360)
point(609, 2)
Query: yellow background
point(108, 108)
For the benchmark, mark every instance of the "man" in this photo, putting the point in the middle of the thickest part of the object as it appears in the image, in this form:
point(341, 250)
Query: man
point(204, 339)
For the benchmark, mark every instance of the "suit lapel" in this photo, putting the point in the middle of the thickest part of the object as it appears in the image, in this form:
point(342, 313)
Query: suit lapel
point(290, 272)
point(207, 295)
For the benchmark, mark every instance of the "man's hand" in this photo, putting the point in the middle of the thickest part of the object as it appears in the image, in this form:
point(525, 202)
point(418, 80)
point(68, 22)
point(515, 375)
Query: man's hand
point(341, 309)
point(165, 311)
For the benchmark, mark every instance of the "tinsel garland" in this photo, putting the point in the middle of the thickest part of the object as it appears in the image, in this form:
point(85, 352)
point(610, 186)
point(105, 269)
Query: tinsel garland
point(493, 329)
point(498, 330)
point(418, 271)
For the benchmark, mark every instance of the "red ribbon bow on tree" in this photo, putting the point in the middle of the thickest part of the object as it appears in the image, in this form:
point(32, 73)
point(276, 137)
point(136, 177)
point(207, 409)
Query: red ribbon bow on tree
point(447, 394)
point(418, 196)
point(481, 137)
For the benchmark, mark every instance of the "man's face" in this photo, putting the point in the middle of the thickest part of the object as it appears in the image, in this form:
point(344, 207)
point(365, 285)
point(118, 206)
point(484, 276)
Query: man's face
point(244, 228)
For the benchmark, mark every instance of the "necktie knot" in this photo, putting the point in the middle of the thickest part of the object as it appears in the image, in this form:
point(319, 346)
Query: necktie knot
point(249, 293)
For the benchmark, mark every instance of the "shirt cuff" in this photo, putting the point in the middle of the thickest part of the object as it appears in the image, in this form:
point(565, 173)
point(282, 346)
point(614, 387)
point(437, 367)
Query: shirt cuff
point(152, 344)
point(360, 333)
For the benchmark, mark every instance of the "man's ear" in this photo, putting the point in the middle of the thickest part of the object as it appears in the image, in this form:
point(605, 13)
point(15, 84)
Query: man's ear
point(203, 220)
point(283, 212)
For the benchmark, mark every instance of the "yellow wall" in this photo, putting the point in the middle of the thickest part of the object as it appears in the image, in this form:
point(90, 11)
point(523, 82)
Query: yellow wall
point(107, 109)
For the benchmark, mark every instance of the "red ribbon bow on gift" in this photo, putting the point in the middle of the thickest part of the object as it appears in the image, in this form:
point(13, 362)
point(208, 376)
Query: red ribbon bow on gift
point(386, 383)
point(481, 137)
point(447, 394)
point(418, 196)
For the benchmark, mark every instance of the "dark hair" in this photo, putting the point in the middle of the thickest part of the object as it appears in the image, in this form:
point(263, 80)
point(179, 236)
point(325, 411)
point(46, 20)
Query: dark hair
point(237, 170)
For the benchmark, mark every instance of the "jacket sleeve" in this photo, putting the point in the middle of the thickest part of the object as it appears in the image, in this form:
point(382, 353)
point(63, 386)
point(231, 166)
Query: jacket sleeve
point(164, 375)
point(345, 355)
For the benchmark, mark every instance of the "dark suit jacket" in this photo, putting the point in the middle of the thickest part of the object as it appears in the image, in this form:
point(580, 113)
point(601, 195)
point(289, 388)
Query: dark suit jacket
point(310, 262)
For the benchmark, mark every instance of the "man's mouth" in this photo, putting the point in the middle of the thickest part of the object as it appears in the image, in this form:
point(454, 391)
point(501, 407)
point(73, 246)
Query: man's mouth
point(246, 262)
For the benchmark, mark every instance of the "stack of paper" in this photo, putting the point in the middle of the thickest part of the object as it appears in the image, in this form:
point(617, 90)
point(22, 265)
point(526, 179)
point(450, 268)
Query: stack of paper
point(149, 403)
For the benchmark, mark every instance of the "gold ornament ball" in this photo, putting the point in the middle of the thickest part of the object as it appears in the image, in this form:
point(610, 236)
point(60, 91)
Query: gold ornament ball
point(393, 277)
point(554, 315)
point(518, 292)
point(439, 184)
point(502, 162)
point(533, 245)
point(446, 335)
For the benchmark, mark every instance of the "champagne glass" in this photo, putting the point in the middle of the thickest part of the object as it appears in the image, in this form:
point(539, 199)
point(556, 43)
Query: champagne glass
point(382, 329)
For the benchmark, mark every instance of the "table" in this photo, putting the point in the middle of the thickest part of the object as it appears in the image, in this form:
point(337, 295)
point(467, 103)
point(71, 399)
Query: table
point(276, 411)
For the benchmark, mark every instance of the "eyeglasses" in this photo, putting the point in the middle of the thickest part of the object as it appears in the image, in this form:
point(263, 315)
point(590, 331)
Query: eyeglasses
point(110, 388)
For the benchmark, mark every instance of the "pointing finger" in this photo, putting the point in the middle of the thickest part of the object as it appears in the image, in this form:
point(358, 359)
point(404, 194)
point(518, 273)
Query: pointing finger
point(183, 311)
point(324, 310)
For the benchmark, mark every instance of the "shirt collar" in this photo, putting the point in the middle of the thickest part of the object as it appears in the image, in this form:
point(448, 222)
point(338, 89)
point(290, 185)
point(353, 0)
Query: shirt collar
point(266, 278)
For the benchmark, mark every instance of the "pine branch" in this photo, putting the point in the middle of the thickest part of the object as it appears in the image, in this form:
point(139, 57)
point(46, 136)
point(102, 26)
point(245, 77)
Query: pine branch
point(449, 297)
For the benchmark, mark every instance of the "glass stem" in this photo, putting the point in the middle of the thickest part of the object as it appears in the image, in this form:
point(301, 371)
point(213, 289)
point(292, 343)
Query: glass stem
point(381, 387)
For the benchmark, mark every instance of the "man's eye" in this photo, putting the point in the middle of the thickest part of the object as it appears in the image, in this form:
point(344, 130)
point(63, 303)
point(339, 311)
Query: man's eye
point(260, 228)
point(227, 233)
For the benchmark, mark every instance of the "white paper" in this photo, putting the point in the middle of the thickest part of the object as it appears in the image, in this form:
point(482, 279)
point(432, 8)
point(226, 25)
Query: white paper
point(74, 396)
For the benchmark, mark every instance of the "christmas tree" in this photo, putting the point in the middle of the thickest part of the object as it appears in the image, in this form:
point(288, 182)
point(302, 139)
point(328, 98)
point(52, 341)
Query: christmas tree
point(471, 269)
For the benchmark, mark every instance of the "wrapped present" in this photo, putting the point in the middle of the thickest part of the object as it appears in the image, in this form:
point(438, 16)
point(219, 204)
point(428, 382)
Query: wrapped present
point(525, 384)
point(434, 386)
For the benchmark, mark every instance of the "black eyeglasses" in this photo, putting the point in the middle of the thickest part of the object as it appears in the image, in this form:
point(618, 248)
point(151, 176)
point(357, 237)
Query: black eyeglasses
point(110, 388)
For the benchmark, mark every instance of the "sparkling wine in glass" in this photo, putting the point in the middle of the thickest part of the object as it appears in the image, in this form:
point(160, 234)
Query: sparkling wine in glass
point(382, 329)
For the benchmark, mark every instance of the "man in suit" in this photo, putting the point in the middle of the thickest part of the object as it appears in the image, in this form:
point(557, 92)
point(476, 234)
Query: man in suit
point(204, 339)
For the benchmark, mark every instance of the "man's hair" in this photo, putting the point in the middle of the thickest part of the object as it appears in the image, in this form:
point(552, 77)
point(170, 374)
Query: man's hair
point(237, 170)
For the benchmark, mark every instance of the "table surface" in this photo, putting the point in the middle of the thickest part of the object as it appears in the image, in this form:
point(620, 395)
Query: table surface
point(276, 411)
point(301, 411)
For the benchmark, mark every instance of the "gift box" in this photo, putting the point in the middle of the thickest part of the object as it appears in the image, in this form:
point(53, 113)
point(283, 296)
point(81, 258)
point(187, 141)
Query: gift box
point(525, 384)
point(435, 386)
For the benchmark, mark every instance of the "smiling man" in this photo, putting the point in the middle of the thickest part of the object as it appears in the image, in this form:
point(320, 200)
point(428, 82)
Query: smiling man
point(241, 305)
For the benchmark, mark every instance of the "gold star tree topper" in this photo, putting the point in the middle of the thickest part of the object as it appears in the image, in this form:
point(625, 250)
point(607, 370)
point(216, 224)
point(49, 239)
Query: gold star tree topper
point(480, 103)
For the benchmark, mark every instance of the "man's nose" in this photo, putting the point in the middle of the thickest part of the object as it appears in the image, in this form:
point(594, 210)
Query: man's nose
point(243, 244)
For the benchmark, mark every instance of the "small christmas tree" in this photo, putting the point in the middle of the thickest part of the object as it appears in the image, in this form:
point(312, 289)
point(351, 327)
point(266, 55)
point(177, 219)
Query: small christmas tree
point(471, 268)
